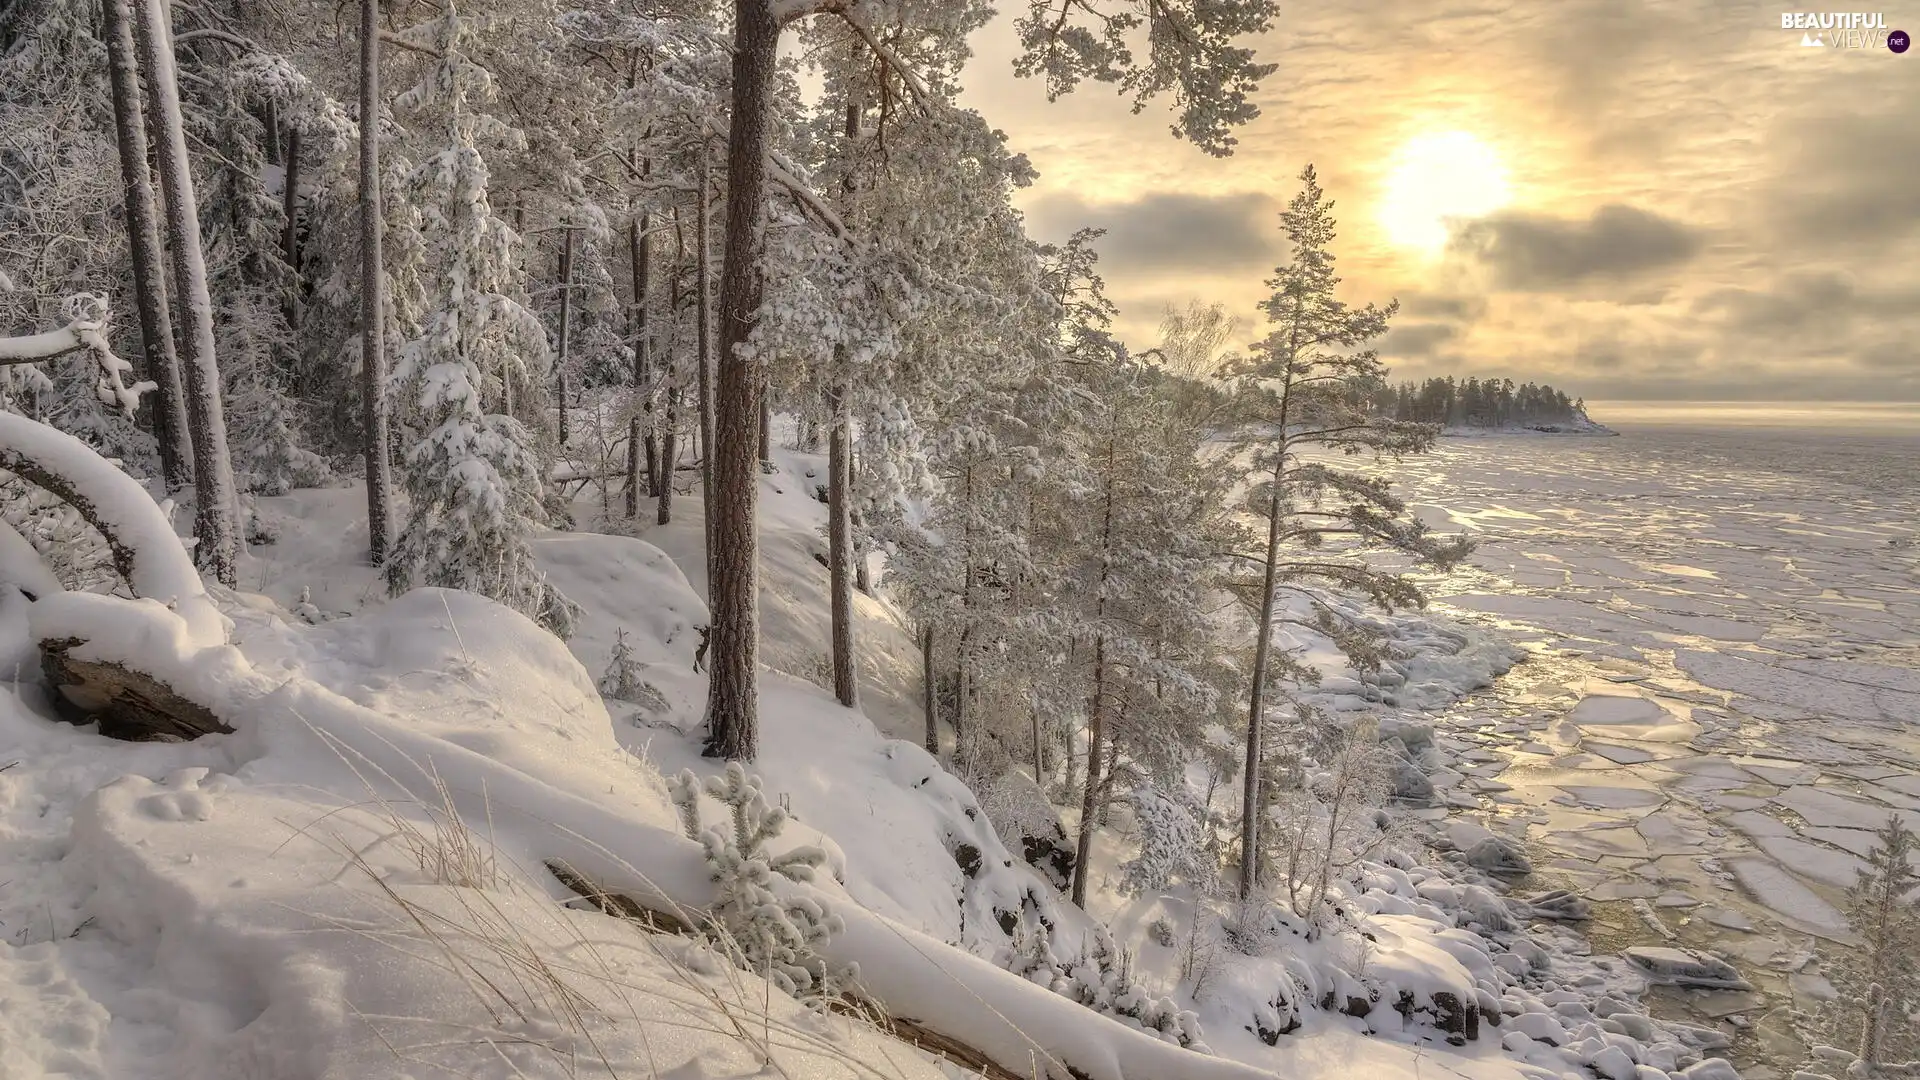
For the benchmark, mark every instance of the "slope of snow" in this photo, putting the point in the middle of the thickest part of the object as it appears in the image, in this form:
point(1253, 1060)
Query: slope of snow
point(351, 884)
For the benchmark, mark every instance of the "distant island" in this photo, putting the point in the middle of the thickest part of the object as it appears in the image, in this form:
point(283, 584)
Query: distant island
point(1479, 406)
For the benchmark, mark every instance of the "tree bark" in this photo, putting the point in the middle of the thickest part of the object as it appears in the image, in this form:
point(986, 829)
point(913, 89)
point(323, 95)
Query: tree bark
point(640, 258)
point(214, 499)
point(566, 322)
point(840, 534)
point(734, 641)
point(703, 344)
point(669, 457)
point(929, 686)
point(143, 239)
point(373, 298)
point(766, 430)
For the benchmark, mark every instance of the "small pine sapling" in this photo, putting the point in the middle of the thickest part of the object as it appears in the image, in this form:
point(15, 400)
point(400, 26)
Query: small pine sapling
point(1101, 978)
point(622, 679)
point(774, 937)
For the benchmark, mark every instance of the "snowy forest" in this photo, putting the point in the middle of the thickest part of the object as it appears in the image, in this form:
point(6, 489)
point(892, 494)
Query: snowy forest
point(699, 588)
point(1490, 403)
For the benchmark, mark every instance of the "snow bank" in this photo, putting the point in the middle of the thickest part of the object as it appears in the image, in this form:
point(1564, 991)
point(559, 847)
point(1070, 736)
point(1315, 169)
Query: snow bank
point(442, 706)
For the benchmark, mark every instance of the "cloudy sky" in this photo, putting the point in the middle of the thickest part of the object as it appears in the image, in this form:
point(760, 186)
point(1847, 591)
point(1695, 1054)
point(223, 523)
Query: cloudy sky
point(1668, 199)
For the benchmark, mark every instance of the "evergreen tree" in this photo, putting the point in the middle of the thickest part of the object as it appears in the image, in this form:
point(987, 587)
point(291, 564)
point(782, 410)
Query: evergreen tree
point(1305, 386)
point(473, 480)
point(1879, 981)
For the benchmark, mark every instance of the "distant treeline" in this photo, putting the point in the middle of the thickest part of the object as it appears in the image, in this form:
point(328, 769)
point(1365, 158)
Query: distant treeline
point(1477, 403)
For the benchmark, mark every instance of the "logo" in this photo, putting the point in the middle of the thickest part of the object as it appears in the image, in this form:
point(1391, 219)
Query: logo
point(1843, 30)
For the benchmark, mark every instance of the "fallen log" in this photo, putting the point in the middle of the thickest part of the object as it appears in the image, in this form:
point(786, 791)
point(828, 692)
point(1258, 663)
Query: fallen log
point(905, 1030)
point(129, 704)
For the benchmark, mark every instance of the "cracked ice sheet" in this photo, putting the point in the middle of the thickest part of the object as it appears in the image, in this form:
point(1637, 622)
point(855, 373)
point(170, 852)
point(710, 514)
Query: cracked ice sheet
point(1781, 893)
point(1855, 691)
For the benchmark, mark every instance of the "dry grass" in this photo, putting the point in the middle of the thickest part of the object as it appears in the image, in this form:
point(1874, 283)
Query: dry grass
point(543, 982)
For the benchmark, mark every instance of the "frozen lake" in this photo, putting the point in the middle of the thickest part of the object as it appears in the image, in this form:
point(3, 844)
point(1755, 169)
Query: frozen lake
point(1723, 696)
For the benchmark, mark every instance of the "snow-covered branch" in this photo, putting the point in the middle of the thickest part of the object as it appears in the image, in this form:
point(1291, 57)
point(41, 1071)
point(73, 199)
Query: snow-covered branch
point(146, 551)
point(787, 11)
point(86, 316)
point(805, 195)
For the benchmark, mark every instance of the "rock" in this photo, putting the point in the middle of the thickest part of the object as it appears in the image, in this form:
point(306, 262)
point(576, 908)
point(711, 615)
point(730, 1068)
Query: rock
point(1411, 785)
point(1710, 1069)
point(1613, 1063)
point(1478, 904)
point(1559, 905)
point(1417, 735)
point(1499, 855)
point(1459, 1020)
point(1540, 1027)
point(1685, 967)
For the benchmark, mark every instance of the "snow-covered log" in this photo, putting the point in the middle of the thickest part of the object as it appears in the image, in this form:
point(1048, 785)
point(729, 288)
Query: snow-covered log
point(145, 549)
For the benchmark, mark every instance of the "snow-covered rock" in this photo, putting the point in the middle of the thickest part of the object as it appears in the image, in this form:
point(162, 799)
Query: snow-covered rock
point(1499, 855)
point(1685, 967)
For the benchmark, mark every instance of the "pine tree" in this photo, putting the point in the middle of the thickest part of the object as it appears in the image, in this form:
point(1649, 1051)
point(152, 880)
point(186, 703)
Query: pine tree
point(1305, 386)
point(145, 249)
point(1879, 981)
point(1192, 56)
point(374, 435)
point(215, 501)
point(473, 480)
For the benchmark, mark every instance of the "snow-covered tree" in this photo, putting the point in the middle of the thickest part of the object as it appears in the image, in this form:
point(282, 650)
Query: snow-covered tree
point(1175, 842)
point(1878, 982)
point(1306, 386)
point(1193, 57)
point(473, 480)
point(216, 503)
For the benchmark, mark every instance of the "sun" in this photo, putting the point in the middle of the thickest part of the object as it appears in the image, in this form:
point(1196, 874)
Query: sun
point(1437, 178)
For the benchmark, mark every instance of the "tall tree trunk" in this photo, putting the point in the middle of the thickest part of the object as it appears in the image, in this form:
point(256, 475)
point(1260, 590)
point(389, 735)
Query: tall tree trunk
point(143, 238)
point(1090, 799)
point(639, 428)
point(290, 238)
point(1090, 795)
point(670, 426)
point(962, 676)
point(1251, 799)
point(840, 533)
point(373, 297)
point(1039, 743)
point(638, 252)
point(703, 347)
point(734, 641)
point(929, 689)
point(566, 321)
point(840, 464)
point(214, 499)
point(669, 456)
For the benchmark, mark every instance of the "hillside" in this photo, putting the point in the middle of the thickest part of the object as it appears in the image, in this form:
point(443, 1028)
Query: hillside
point(357, 881)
